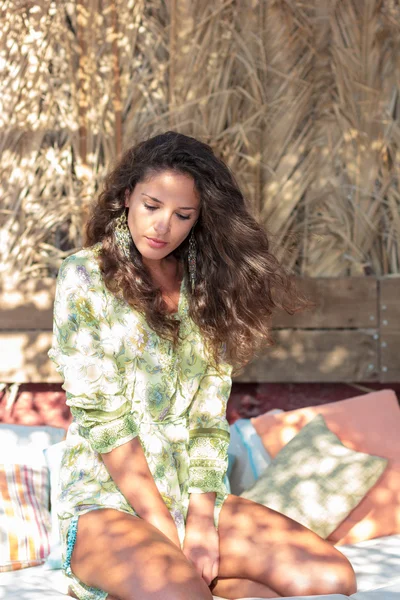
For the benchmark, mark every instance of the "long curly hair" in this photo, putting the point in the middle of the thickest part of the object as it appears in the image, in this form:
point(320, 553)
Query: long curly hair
point(239, 283)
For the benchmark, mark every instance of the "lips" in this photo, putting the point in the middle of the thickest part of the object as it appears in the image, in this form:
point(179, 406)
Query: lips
point(156, 244)
point(156, 240)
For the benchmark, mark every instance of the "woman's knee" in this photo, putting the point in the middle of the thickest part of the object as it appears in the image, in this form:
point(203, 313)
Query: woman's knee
point(326, 577)
point(340, 575)
point(131, 559)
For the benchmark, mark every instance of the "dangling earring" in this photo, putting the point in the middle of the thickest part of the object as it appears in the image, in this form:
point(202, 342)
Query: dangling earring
point(122, 234)
point(192, 260)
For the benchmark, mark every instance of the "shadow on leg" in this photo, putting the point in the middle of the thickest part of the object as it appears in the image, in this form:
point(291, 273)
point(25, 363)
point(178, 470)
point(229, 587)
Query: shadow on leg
point(265, 547)
point(235, 588)
point(132, 560)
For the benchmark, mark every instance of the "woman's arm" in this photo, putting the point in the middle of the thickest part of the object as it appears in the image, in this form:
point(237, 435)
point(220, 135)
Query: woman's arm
point(201, 508)
point(209, 432)
point(208, 452)
point(85, 355)
point(127, 465)
point(201, 544)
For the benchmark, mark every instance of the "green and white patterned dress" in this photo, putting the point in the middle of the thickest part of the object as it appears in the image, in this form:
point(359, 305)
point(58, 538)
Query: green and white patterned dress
point(122, 380)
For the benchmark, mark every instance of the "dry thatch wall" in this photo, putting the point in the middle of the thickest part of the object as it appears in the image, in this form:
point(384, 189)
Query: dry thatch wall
point(300, 98)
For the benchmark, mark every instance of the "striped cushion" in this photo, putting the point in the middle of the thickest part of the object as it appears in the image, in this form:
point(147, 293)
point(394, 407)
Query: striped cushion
point(24, 516)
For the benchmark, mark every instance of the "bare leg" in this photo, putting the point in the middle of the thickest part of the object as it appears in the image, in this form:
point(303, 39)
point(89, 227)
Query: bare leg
point(243, 588)
point(263, 546)
point(132, 560)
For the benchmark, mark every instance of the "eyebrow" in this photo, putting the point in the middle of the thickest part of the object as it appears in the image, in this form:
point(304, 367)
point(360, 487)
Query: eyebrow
point(159, 201)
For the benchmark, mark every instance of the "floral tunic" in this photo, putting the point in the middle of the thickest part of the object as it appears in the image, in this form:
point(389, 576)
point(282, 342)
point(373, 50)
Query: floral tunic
point(122, 380)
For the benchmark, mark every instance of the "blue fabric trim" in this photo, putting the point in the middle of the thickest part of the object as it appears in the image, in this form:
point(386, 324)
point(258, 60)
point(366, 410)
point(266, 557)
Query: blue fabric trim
point(231, 462)
point(71, 539)
point(258, 457)
point(248, 449)
point(227, 483)
point(83, 591)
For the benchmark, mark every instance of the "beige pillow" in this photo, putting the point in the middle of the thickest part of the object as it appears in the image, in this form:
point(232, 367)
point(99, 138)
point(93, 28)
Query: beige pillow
point(316, 480)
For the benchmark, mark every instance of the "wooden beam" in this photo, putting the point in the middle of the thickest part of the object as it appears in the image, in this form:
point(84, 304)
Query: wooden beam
point(23, 358)
point(311, 349)
point(29, 307)
point(312, 356)
point(389, 305)
point(390, 357)
point(308, 356)
point(343, 302)
point(389, 326)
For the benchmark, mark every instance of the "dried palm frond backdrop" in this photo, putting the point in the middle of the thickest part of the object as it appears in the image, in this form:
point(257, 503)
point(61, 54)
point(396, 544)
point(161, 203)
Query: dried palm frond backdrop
point(301, 99)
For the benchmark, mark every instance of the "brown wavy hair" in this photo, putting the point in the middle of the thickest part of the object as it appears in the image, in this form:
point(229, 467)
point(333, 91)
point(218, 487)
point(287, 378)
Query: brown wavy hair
point(239, 283)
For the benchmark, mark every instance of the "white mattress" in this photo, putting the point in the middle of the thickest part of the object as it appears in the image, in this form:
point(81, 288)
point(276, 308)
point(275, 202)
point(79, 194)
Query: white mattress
point(376, 563)
point(32, 584)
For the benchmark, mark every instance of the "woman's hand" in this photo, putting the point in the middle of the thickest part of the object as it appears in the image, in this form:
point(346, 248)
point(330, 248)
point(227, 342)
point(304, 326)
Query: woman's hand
point(201, 547)
point(165, 523)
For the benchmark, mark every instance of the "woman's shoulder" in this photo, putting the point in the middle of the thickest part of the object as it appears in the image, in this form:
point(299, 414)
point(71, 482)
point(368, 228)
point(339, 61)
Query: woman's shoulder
point(81, 268)
point(85, 259)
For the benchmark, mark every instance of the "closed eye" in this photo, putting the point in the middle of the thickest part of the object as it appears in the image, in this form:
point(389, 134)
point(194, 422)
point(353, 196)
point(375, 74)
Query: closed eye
point(182, 217)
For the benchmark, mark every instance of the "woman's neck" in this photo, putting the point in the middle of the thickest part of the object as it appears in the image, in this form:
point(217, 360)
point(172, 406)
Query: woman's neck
point(162, 270)
point(169, 281)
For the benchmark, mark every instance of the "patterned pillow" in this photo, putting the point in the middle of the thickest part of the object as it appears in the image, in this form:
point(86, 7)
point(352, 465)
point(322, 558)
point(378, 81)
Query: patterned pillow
point(24, 516)
point(316, 480)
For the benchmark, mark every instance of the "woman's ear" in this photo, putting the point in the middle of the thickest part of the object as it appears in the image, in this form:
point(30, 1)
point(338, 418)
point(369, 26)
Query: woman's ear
point(127, 198)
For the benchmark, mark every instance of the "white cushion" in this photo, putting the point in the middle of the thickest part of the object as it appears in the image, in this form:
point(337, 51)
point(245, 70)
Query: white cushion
point(53, 455)
point(24, 445)
point(375, 562)
point(387, 592)
point(38, 583)
point(35, 583)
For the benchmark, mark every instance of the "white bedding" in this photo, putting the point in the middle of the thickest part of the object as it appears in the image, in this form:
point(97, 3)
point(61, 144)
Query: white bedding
point(376, 563)
point(33, 584)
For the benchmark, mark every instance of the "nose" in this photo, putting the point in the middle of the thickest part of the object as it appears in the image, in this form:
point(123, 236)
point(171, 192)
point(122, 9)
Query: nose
point(162, 225)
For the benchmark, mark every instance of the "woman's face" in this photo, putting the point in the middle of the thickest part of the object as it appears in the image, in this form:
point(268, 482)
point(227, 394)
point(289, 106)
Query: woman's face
point(164, 207)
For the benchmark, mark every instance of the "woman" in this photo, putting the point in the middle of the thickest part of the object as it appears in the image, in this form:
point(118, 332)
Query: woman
point(170, 296)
